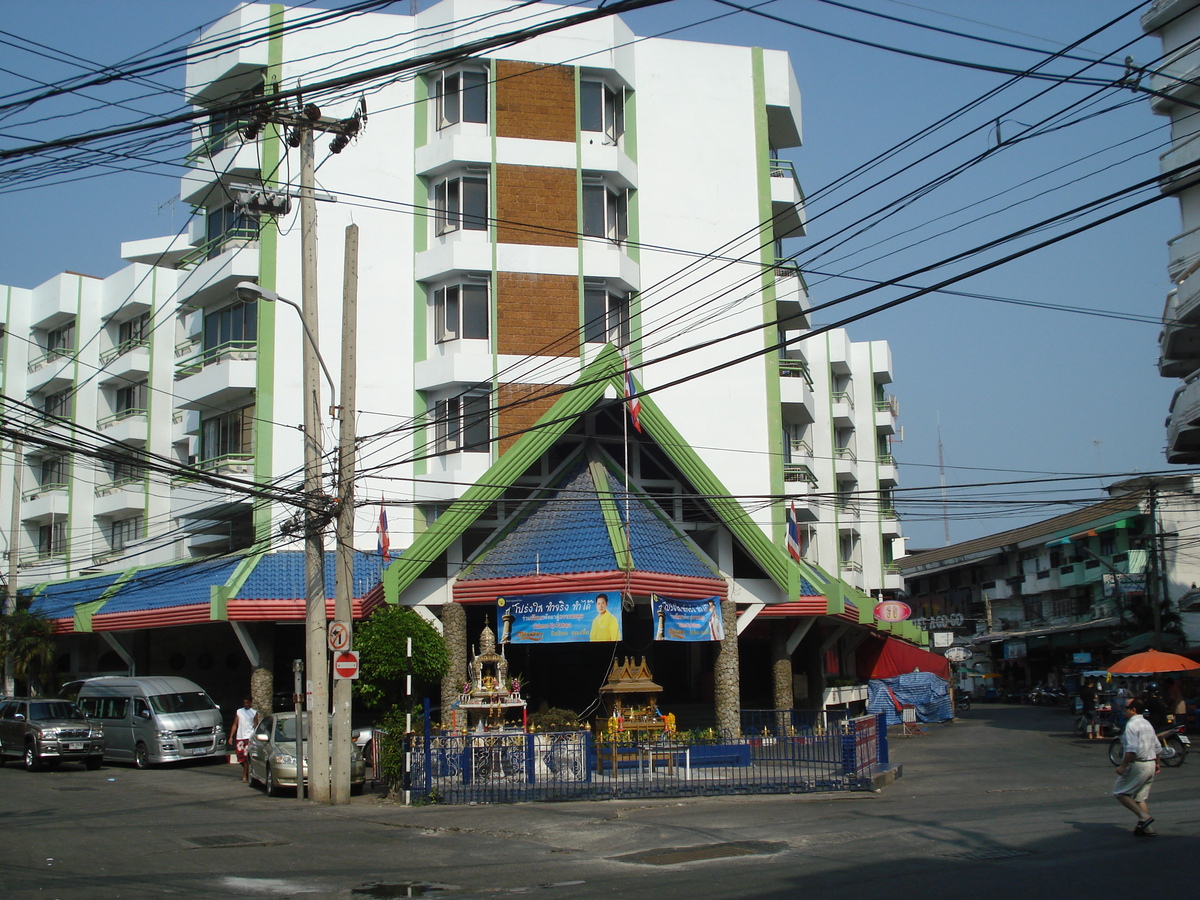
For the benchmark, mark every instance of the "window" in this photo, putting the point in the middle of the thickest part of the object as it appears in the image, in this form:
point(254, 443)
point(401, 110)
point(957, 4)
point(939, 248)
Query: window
point(461, 202)
point(461, 96)
point(461, 311)
point(59, 404)
point(462, 423)
point(61, 341)
point(131, 399)
point(229, 434)
point(133, 333)
point(227, 223)
point(53, 472)
point(233, 327)
point(605, 316)
point(605, 212)
point(601, 108)
point(127, 470)
point(52, 538)
point(124, 532)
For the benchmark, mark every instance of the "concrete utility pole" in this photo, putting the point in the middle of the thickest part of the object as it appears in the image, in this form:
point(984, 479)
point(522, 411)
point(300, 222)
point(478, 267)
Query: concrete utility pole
point(14, 553)
point(343, 610)
point(1154, 591)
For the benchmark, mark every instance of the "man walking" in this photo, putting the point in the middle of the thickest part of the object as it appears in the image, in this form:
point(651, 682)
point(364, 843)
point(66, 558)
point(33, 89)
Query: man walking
point(1136, 772)
point(244, 722)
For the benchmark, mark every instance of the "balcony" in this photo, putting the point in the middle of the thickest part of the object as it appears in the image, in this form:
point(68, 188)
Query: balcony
point(214, 280)
point(51, 372)
point(886, 464)
point(127, 362)
point(1183, 424)
point(129, 293)
point(45, 503)
point(1184, 253)
point(787, 200)
point(1182, 155)
point(235, 160)
point(218, 377)
point(129, 426)
point(889, 522)
point(845, 463)
point(196, 499)
point(842, 409)
point(795, 392)
point(886, 412)
point(120, 498)
point(791, 294)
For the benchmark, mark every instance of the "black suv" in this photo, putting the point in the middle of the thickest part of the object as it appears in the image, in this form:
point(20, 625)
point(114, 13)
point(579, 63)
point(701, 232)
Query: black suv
point(46, 732)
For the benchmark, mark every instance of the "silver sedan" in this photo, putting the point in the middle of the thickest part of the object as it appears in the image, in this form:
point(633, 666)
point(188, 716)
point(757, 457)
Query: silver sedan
point(273, 754)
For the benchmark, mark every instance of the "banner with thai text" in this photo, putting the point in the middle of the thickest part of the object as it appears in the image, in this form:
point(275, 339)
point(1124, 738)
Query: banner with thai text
point(687, 620)
point(559, 618)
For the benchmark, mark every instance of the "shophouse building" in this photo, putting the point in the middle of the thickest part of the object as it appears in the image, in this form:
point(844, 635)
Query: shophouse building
point(1066, 594)
point(588, 201)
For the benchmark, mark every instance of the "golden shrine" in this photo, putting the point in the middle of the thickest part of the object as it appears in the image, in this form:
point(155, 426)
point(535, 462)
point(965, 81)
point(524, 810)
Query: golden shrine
point(631, 701)
point(489, 695)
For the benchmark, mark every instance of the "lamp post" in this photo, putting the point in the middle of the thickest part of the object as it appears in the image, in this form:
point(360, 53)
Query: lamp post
point(317, 662)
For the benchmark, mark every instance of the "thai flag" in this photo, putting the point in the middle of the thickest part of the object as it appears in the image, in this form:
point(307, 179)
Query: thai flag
point(635, 405)
point(384, 543)
point(793, 533)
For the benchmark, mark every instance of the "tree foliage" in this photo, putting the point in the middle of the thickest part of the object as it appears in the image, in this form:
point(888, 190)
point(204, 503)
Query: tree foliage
point(382, 642)
point(27, 638)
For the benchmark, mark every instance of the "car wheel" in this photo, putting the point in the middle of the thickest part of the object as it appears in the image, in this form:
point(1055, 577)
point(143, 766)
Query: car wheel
point(141, 757)
point(269, 784)
point(33, 763)
point(93, 763)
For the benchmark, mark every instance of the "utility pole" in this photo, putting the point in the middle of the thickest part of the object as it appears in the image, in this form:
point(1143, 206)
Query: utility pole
point(14, 553)
point(343, 610)
point(1155, 587)
point(301, 124)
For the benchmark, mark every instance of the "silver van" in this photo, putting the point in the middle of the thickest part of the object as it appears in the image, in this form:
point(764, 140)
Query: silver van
point(154, 719)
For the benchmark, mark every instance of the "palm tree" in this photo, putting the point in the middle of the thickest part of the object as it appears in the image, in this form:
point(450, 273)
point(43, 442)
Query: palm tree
point(27, 643)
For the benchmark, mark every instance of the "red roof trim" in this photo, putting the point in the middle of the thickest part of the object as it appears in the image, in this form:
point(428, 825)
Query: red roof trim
point(683, 587)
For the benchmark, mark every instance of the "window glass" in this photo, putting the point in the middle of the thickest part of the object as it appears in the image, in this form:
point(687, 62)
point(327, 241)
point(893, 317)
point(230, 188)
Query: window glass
point(461, 96)
point(461, 202)
point(461, 310)
point(606, 316)
point(605, 212)
point(229, 434)
point(189, 701)
point(601, 108)
point(54, 709)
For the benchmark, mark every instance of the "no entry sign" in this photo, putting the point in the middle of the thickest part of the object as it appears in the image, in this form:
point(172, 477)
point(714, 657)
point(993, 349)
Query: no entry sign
point(345, 664)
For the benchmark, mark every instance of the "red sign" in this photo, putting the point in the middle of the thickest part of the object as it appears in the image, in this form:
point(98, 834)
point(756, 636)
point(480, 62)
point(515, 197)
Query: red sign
point(345, 664)
point(892, 611)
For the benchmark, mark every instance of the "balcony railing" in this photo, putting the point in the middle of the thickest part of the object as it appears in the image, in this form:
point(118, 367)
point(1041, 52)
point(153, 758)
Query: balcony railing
point(119, 416)
point(230, 349)
point(797, 472)
point(802, 447)
point(50, 356)
point(846, 453)
point(49, 487)
point(795, 368)
point(888, 404)
point(783, 168)
point(111, 487)
point(121, 349)
point(234, 237)
point(843, 397)
point(885, 459)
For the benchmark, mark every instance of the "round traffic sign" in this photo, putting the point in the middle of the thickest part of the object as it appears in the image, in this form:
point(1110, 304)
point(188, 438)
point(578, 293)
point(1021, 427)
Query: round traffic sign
point(339, 636)
point(958, 654)
point(345, 664)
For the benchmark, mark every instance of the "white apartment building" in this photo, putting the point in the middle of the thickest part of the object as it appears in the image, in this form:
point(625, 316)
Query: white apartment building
point(1175, 93)
point(518, 211)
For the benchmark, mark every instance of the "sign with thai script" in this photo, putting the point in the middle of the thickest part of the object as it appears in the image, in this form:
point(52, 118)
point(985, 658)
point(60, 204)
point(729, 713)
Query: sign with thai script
point(892, 611)
point(687, 620)
point(559, 618)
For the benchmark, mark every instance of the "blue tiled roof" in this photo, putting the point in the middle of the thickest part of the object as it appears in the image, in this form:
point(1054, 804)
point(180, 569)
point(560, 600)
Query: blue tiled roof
point(564, 535)
point(656, 546)
point(185, 584)
point(280, 576)
point(58, 601)
point(807, 590)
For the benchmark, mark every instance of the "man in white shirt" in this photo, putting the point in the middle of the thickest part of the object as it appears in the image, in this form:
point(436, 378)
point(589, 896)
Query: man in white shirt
point(244, 721)
point(1136, 772)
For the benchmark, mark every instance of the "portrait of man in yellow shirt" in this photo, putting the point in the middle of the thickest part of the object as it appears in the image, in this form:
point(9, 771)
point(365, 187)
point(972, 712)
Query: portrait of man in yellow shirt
point(605, 626)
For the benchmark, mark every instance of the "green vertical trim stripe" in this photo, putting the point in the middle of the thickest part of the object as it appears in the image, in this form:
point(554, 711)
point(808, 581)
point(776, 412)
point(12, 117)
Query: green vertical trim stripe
point(618, 535)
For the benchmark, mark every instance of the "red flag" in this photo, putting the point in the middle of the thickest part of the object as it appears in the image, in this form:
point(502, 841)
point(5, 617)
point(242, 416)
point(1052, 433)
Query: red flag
point(384, 543)
point(635, 405)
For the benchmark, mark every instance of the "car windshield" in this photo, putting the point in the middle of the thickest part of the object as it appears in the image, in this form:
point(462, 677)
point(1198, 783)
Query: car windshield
point(54, 709)
point(285, 729)
point(192, 701)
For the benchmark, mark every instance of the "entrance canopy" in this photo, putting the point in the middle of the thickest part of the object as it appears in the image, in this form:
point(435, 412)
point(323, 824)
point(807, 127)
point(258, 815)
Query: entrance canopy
point(888, 657)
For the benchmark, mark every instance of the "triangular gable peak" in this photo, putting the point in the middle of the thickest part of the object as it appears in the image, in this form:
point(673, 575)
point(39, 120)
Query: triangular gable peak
point(596, 394)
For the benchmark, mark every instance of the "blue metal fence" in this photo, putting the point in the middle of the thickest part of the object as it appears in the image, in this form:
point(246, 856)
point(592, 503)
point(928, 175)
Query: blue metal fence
point(808, 753)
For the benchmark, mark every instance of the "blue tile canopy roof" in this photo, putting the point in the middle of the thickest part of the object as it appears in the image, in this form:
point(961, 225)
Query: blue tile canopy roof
point(171, 586)
point(58, 601)
point(280, 576)
point(566, 534)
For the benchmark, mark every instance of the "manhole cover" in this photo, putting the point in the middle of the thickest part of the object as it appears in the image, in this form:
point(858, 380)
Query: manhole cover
point(671, 856)
point(986, 853)
point(209, 841)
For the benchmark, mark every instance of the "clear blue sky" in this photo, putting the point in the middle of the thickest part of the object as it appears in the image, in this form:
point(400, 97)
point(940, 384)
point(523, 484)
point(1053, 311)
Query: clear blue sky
point(1021, 391)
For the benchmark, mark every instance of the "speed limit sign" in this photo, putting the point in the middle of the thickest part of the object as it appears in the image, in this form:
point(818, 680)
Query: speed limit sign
point(339, 636)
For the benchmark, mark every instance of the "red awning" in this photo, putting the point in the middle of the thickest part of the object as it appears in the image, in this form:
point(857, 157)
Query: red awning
point(887, 657)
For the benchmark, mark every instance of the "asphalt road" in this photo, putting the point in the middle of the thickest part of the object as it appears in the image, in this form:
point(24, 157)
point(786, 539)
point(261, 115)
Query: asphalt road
point(1003, 802)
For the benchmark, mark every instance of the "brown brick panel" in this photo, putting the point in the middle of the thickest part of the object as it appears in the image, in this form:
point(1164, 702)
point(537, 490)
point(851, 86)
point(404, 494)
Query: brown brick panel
point(536, 205)
point(537, 315)
point(535, 102)
point(521, 405)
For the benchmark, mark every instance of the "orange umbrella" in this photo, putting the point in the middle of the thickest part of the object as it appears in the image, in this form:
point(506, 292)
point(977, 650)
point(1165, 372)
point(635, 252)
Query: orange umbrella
point(1152, 662)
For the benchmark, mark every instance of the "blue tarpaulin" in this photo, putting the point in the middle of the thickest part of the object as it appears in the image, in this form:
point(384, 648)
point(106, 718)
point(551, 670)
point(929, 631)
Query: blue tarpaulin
point(926, 692)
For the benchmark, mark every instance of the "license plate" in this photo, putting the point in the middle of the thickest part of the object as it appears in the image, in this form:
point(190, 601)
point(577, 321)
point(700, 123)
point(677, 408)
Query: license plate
point(199, 751)
point(1185, 740)
point(75, 745)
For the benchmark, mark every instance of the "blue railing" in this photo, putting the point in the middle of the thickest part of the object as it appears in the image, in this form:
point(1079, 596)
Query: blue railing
point(793, 752)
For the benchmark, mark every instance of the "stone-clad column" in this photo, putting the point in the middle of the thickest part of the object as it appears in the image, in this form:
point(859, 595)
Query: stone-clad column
point(454, 632)
point(726, 678)
point(781, 675)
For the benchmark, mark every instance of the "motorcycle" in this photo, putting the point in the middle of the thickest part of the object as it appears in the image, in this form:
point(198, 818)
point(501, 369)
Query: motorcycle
point(1174, 749)
point(962, 701)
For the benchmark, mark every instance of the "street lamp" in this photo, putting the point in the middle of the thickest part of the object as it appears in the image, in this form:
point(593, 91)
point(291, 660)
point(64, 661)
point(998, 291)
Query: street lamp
point(248, 292)
point(317, 663)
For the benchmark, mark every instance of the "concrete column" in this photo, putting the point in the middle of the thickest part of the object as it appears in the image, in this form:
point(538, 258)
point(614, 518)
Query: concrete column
point(262, 676)
point(454, 632)
point(781, 674)
point(726, 678)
